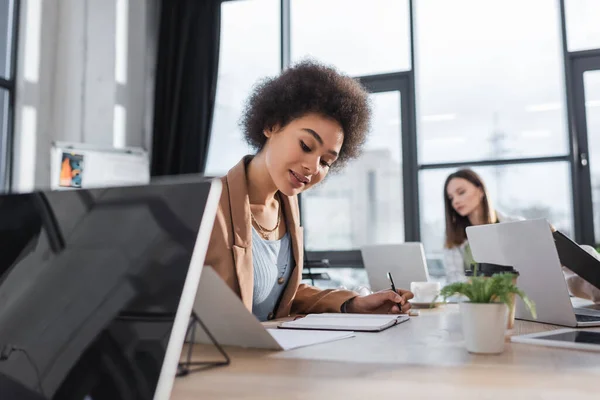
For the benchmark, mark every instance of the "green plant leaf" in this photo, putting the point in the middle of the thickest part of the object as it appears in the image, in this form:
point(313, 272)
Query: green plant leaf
point(497, 288)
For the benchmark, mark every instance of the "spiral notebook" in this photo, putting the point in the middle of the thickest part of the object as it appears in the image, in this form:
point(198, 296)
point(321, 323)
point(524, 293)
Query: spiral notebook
point(346, 322)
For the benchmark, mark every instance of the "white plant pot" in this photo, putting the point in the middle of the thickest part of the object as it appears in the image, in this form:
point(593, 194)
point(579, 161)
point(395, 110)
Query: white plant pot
point(483, 326)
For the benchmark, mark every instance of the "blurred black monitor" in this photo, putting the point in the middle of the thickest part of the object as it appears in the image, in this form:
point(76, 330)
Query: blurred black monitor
point(91, 283)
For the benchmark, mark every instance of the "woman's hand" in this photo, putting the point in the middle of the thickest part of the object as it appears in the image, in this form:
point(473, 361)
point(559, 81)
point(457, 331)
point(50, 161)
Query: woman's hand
point(382, 302)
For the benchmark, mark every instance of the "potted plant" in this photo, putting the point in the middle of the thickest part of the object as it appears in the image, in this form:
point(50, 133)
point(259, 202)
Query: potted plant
point(484, 314)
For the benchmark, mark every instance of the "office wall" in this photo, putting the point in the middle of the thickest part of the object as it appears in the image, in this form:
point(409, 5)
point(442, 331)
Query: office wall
point(85, 74)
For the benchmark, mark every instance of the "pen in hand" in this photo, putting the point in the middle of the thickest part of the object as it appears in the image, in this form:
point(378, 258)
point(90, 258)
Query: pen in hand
point(389, 275)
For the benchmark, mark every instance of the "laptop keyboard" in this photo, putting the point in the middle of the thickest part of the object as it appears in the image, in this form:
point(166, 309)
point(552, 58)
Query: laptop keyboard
point(587, 318)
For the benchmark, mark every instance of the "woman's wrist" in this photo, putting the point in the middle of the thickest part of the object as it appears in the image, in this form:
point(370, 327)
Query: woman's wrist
point(345, 308)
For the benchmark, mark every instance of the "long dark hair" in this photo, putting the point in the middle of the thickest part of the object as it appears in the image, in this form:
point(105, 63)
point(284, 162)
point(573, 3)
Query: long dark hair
point(456, 224)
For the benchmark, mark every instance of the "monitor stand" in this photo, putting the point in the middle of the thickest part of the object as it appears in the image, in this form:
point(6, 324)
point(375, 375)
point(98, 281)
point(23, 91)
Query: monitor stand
point(189, 366)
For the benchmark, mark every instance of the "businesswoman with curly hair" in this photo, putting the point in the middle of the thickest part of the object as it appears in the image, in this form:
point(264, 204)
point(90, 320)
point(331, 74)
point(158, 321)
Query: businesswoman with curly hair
point(304, 123)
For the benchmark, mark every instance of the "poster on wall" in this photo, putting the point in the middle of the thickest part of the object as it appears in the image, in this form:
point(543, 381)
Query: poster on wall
point(71, 170)
point(78, 165)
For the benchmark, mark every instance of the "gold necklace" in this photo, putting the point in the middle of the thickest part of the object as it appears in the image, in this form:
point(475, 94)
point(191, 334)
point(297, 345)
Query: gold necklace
point(264, 231)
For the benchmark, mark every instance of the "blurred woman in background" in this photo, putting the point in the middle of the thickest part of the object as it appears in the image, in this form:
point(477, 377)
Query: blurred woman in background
point(467, 203)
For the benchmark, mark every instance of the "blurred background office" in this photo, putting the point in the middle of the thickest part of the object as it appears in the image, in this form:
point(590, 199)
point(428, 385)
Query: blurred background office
point(510, 88)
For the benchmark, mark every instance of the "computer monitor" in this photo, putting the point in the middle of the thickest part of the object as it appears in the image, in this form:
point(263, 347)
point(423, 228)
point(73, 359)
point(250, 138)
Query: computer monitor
point(97, 287)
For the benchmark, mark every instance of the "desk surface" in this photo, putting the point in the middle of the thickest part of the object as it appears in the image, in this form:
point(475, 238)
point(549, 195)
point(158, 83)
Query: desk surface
point(422, 358)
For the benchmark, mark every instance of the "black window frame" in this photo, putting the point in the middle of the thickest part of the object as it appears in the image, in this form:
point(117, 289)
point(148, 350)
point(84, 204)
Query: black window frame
point(405, 82)
point(579, 63)
point(394, 82)
point(9, 84)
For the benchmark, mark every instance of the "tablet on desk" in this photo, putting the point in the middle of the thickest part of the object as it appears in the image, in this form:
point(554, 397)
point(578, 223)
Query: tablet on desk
point(567, 338)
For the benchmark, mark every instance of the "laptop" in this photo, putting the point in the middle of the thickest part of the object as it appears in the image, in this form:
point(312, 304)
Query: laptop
point(97, 287)
point(232, 324)
point(529, 247)
point(406, 262)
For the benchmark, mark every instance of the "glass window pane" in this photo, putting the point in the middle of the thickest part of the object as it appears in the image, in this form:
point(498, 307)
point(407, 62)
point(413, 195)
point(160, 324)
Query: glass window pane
point(526, 190)
point(250, 50)
point(583, 24)
point(591, 82)
point(368, 37)
point(489, 87)
point(6, 36)
point(363, 203)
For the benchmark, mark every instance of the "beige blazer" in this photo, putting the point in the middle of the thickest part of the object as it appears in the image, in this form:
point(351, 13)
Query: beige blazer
point(230, 251)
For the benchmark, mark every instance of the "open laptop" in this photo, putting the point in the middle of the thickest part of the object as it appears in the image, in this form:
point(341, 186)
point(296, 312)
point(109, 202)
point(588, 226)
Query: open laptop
point(97, 287)
point(406, 262)
point(232, 324)
point(529, 247)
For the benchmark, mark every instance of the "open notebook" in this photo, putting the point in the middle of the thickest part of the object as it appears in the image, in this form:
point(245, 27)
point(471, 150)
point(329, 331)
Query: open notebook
point(346, 322)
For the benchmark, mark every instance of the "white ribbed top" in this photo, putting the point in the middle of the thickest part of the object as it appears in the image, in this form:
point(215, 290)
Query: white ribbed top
point(271, 259)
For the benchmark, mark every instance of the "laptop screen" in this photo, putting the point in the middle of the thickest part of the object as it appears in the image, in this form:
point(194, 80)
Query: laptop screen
point(90, 285)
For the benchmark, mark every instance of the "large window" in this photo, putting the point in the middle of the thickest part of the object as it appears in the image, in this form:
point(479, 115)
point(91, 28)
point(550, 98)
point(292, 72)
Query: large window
point(591, 81)
point(499, 94)
point(583, 61)
point(487, 85)
point(586, 94)
point(250, 50)
point(359, 37)
point(485, 91)
point(8, 30)
point(363, 204)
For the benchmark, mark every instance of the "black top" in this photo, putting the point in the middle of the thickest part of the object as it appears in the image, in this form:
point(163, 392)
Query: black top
point(90, 282)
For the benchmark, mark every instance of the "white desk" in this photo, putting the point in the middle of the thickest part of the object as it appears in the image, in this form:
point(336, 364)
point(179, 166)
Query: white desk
point(422, 358)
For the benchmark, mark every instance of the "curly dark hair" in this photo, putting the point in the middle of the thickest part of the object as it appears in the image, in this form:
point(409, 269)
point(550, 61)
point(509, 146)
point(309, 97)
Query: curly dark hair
point(309, 87)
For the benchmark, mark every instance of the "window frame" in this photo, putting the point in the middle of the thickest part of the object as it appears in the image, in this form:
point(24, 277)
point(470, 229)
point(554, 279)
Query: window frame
point(392, 82)
point(579, 63)
point(9, 85)
point(405, 82)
